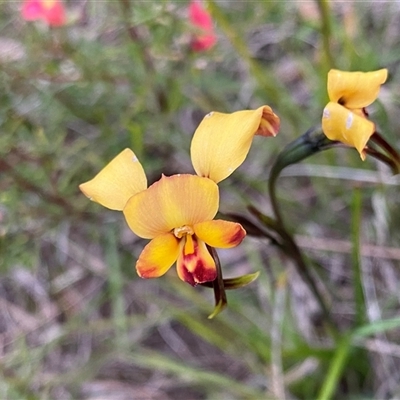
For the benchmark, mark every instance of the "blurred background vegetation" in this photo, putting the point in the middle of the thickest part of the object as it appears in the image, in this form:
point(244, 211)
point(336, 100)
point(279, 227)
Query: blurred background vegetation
point(76, 322)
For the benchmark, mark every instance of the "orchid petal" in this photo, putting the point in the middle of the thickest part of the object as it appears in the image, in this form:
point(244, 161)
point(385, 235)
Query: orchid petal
point(116, 182)
point(355, 89)
point(172, 202)
point(195, 266)
point(346, 126)
point(220, 234)
point(158, 256)
point(222, 141)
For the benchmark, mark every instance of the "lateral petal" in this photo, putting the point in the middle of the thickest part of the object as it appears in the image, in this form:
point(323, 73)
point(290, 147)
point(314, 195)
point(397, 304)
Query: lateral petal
point(197, 266)
point(119, 180)
point(355, 89)
point(346, 126)
point(222, 141)
point(158, 256)
point(172, 202)
point(219, 233)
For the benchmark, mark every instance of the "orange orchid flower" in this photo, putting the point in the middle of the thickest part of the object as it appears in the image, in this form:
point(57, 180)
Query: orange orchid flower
point(177, 212)
point(50, 11)
point(344, 118)
point(185, 206)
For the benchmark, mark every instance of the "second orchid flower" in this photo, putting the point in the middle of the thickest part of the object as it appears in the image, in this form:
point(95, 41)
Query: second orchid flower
point(344, 118)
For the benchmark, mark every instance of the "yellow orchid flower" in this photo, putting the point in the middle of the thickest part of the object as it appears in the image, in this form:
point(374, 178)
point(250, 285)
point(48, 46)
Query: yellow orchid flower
point(344, 118)
point(222, 141)
point(176, 213)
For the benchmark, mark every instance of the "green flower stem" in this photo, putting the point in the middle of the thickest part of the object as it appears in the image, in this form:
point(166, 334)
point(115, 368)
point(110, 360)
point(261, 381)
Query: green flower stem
point(290, 248)
point(326, 31)
point(311, 142)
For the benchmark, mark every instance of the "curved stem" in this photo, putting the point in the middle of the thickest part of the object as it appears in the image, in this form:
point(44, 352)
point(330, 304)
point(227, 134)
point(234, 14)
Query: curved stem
point(290, 248)
point(311, 142)
point(393, 165)
point(381, 141)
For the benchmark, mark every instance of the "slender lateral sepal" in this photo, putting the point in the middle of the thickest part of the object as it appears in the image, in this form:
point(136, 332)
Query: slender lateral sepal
point(235, 283)
point(393, 165)
point(251, 228)
point(218, 285)
point(394, 155)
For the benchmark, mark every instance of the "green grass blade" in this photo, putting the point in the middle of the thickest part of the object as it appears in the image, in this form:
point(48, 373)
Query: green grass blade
point(150, 359)
point(336, 369)
point(356, 258)
point(116, 280)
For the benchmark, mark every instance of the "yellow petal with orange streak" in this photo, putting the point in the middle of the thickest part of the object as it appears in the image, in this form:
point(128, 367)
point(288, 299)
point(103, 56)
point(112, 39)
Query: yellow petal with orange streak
point(172, 202)
point(197, 266)
point(219, 233)
point(222, 141)
point(158, 256)
point(355, 89)
point(117, 181)
point(346, 126)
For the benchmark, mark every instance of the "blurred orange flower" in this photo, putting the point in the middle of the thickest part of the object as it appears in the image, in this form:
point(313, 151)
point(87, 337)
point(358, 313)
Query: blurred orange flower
point(344, 118)
point(205, 38)
point(50, 11)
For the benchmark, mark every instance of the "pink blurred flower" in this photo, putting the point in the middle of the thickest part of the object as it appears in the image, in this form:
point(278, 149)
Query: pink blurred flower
point(205, 38)
point(50, 11)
